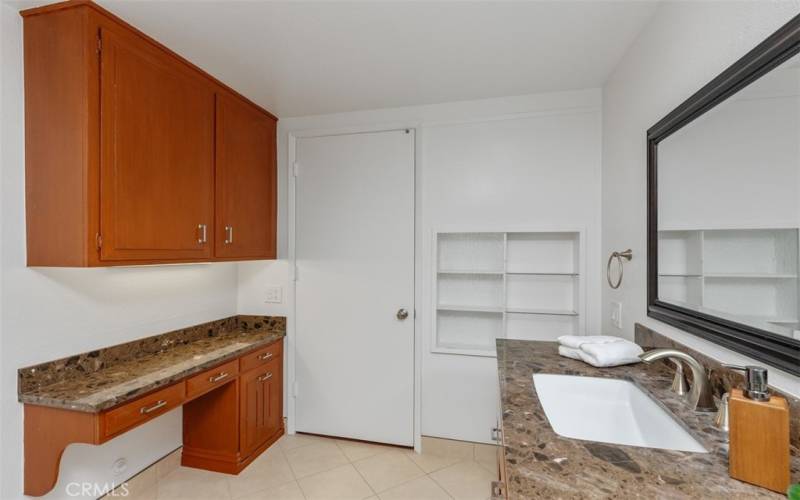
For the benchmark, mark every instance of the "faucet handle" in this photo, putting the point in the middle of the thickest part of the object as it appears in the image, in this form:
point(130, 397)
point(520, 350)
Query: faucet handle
point(679, 384)
point(755, 381)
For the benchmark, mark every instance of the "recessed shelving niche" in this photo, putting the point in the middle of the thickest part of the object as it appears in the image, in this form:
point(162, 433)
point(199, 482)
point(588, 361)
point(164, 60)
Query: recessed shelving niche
point(489, 285)
point(747, 275)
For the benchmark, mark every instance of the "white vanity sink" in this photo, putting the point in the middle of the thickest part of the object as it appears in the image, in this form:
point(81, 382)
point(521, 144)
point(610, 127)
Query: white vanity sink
point(609, 411)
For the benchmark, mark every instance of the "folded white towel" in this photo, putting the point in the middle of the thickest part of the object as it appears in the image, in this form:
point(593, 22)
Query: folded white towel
point(569, 352)
point(623, 352)
point(576, 341)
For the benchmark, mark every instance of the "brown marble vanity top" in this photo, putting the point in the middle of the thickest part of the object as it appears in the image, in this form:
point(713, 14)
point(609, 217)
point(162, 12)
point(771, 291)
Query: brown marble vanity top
point(542, 464)
point(104, 378)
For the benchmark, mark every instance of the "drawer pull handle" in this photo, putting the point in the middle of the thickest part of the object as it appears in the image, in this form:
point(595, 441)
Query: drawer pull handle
point(147, 409)
point(264, 377)
point(264, 356)
point(203, 233)
point(218, 377)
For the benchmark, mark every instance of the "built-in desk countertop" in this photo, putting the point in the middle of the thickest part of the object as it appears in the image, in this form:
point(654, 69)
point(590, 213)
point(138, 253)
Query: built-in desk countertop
point(95, 396)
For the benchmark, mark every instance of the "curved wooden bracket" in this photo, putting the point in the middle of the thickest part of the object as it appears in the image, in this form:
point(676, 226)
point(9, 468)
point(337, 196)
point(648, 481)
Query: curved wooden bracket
point(48, 431)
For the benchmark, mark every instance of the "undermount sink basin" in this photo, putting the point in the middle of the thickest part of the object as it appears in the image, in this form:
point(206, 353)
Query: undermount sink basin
point(609, 411)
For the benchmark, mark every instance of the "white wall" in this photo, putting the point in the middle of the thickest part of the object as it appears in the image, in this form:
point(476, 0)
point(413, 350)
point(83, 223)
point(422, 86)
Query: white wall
point(492, 179)
point(50, 313)
point(746, 148)
point(685, 46)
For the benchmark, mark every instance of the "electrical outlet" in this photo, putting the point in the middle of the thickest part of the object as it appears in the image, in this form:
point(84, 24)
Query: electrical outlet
point(273, 295)
point(616, 314)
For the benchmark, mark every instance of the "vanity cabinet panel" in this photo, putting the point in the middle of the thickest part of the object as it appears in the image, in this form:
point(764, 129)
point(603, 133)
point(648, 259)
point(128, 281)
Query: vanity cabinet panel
point(261, 405)
point(246, 181)
point(157, 152)
point(121, 138)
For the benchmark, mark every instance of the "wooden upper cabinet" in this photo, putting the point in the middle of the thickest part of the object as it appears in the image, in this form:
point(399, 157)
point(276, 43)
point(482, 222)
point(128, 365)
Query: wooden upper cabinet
point(246, 177)
point(133, 154)
point(157, 155)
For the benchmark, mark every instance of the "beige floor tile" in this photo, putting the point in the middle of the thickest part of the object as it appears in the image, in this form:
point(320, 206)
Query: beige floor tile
point(314, 458)
point(485, 452)
point(343, 483)
point(447, 448)
point(169, 463)
point(465, 481)
point(386, 470)
point(358, 450)
point(423, 488)
point(431, 463)
point(291, 441)
point(150, 493)
point(195, 484)
point(138, 484)
point(288, 491)
point(269, 470)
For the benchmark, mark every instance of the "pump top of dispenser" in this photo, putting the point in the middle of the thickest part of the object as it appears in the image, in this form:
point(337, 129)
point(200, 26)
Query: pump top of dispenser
point(755, 381)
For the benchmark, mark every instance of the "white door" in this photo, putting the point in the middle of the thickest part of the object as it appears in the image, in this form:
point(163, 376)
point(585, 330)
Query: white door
point(354, 245)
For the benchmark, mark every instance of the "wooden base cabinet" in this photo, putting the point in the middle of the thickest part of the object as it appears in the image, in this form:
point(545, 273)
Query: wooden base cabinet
point(134, 155)
point(225, 430)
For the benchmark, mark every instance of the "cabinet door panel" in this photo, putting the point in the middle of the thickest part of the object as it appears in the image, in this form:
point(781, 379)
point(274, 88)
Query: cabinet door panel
point(157, 154)
point(261, 389)
point(246, 181)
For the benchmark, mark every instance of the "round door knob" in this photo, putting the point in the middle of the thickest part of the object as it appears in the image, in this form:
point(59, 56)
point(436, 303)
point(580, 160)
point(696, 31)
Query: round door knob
point(402, 314)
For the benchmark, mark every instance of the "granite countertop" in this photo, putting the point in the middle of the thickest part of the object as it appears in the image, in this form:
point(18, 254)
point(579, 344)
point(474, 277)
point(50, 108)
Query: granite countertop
point(542, 464)
point(137, 368)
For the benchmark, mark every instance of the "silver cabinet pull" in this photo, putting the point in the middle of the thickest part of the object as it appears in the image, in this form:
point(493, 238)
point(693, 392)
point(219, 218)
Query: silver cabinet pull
point(228, 235)
point(264, 356)
point(264, 377)
point(219, 377)
point(147, 409)
point(203, 233)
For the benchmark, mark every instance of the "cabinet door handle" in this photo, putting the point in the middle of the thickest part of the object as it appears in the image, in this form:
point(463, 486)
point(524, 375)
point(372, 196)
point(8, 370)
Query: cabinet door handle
point(147, 409)
point(264, 356)
point(218, 377)
point(264, 377)
point(228, 235)
point(203, 233)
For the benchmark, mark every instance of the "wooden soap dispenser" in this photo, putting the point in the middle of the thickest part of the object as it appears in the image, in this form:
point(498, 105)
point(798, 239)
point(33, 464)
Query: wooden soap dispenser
point(759, 433)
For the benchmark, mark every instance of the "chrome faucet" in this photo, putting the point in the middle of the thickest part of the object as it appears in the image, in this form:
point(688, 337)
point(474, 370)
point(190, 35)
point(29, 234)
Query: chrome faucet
point(700, 397)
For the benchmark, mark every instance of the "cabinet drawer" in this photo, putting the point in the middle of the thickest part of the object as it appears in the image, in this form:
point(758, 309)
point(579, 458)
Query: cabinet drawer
point(261, 356)
point(143, 409)
point(209, 379)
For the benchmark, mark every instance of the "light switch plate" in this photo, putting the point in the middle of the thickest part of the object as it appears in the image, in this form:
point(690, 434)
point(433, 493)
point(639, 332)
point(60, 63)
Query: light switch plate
point(273, 295)
point(616, 314)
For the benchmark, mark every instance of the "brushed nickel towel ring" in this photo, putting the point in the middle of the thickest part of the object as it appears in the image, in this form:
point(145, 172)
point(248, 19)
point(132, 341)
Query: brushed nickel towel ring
point(627, 255)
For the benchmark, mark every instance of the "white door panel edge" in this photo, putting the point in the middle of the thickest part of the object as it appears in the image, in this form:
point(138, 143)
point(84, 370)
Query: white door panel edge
point(354, 251)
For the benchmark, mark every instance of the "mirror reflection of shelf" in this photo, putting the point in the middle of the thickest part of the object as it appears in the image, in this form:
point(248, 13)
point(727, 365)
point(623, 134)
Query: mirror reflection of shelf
point(492, 285)
point(746, 275)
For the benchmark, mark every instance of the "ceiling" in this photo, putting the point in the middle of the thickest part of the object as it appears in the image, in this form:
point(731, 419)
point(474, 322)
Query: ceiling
point(303, 58)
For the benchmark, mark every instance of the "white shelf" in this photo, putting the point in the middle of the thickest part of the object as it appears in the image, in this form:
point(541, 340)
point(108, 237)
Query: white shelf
point(468, 271)
point(521, 273)
point(546, 312)
point(745, 275)
point(522, 285)
point(750, 276)
point(486, 309)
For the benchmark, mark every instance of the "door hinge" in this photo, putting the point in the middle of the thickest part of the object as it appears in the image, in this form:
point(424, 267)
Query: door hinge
point(294, 389)
point(99, 43)
point(295, 169)
point(99, 240)
point(294, 272)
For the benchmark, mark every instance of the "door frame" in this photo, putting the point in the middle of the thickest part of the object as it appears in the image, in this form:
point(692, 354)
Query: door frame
point(291, 331)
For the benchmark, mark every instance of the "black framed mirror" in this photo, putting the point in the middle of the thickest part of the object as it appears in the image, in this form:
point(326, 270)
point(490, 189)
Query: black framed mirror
point(724, 207)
